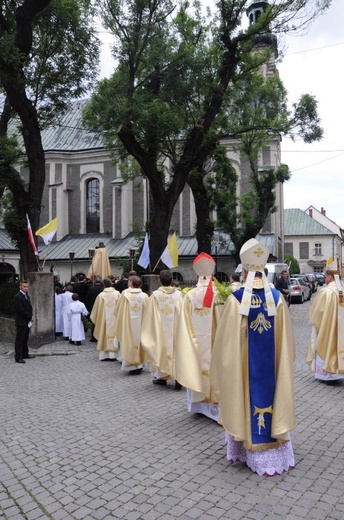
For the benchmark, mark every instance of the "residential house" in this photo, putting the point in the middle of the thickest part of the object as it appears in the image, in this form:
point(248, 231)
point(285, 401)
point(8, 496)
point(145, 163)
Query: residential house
point(309, 241)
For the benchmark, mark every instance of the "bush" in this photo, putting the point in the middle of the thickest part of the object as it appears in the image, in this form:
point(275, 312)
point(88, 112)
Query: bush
point(7, 293)
point(294, 264)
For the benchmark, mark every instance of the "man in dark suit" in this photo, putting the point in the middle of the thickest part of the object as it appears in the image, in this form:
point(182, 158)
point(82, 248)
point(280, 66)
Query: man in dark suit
point(92, 294)
point(23, 320)
point(282, 285)
point(81, 288)
point(122, 284)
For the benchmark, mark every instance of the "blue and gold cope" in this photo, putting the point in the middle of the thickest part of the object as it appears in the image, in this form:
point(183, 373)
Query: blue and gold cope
point(261, 365)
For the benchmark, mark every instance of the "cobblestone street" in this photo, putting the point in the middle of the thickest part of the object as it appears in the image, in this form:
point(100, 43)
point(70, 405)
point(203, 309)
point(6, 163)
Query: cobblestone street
point(79, 439)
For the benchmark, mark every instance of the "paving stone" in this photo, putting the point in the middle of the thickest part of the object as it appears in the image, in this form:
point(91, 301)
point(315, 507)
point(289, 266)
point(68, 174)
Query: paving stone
point(101, 445)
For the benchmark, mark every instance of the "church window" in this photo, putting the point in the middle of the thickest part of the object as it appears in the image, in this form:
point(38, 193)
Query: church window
point(92, 206)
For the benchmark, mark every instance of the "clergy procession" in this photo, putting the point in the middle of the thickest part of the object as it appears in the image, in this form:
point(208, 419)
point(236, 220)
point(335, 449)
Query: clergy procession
point(234, 358)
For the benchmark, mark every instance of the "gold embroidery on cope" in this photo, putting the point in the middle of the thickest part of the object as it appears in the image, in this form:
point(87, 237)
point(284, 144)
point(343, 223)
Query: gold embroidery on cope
point(166, 310)
point(202, 312)
point(135, 307)
point(260, 324)
point(256, 301)
point(261, 412)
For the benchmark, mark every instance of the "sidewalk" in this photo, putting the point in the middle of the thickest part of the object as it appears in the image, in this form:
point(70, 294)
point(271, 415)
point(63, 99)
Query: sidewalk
point(80, 439)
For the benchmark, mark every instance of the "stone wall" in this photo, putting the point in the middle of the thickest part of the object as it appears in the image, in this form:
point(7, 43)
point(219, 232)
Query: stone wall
point(8, 329)
point(41, 291)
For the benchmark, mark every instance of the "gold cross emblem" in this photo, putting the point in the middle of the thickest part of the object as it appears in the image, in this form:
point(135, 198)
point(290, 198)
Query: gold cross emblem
point(259, 252)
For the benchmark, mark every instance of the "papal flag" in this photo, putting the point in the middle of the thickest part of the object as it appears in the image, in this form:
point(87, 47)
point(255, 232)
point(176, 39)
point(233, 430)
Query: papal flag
point(48, 231)
point(170, 255)
point(144, 260)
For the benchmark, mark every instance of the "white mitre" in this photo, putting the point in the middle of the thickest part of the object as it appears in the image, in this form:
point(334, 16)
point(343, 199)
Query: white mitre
point(253, 256)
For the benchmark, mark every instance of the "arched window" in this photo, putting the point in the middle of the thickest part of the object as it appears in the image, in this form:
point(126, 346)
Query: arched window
point(221, 277)
point(92, 206)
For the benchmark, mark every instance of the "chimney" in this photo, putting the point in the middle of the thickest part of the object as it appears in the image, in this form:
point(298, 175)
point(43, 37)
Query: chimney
point(323, 212)
point(310, 212)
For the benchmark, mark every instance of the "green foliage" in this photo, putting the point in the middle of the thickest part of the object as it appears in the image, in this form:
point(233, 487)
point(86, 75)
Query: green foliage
point(49, 53)
point(223, 290)
point(294, 264)
point(7, 292)
point(10, 152)
point(258, 114)
point(63, 63)
point(306, 120)
point(283, 173)
point(9, 216)
point(87, 323)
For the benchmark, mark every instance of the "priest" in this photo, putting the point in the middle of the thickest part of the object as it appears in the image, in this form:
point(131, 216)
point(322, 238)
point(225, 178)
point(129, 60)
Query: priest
point(252, 370)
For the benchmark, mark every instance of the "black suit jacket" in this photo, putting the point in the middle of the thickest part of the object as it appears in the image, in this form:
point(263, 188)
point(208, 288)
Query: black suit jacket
point(92, 295)
point(81, 289)
point(22, 310)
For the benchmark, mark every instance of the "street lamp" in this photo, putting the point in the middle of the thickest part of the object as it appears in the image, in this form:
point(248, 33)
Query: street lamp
point(132, 256)
point(71, 258)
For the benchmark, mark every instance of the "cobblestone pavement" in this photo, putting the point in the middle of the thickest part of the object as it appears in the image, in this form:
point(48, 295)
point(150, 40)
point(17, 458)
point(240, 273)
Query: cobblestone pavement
point(79, 439)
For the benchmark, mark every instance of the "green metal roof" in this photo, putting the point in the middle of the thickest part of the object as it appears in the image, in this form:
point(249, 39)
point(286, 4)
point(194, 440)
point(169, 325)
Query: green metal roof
point(69, 135)
point(297, 222)
point(117, 248)
point(6, 243)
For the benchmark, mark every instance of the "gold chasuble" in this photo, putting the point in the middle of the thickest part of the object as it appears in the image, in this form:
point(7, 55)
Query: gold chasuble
point(240, 387)
point(128, 325)
point(103, 315)
point(160, 318)
point(195, 337)
point(327, 318)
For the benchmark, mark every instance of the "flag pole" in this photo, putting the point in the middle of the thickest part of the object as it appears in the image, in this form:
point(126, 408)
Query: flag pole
point(156, 265)
point(45, 256)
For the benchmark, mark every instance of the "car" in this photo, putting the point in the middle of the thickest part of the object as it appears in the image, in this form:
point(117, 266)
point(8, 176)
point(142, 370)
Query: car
point(299, 290)
point(306, 278)
point(314, 281)
point(321, 278)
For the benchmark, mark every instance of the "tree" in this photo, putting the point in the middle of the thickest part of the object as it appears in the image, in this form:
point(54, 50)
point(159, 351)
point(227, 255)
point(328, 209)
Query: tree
point(163, 105)
point(258, 114)
point(294, 267)
point(48, 54)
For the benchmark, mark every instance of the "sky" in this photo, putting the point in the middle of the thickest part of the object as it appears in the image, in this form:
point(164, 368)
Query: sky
point(312, 64)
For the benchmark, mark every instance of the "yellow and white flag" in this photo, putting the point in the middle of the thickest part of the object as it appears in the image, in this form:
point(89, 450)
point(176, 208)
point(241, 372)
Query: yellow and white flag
point(170, 255)
point(48, 231)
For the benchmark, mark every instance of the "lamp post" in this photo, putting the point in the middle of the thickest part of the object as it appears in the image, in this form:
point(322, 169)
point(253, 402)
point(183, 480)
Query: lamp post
point(71, 258)
point(132, 256)
point(91, 252)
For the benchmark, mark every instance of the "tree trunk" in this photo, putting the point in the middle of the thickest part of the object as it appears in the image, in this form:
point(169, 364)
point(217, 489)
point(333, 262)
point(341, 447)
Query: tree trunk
point(159, 227)
point(28, 261)
point(13, 80)
point(204, 227)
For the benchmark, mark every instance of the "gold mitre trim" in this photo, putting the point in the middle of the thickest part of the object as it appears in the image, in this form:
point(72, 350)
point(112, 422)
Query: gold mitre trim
point(253, 255)
point(258, 283)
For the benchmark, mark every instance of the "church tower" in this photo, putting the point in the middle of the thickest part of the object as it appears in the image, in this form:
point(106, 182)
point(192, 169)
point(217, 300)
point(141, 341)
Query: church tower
point(272, 153)
point(267, 39)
